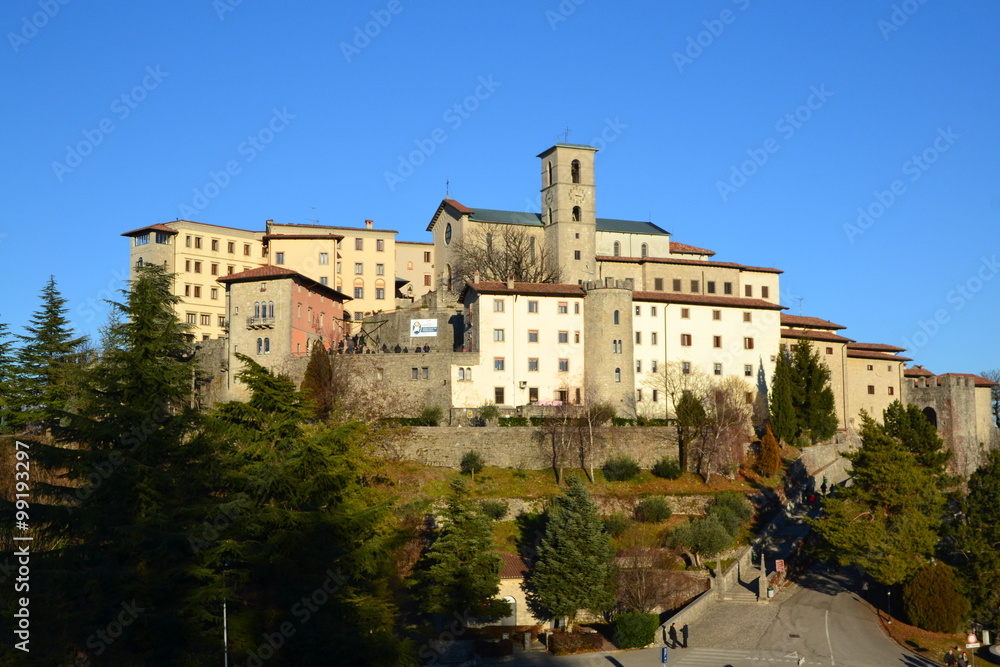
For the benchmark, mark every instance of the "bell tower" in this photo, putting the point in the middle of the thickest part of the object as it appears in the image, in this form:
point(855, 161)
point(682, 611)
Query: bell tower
point(569, 211)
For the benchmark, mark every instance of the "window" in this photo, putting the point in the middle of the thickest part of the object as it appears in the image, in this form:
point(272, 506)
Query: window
point(187, 265)
point(359, 243)
point(576, 254)
point(358, 315)
point(533, 365)
point(215, 245)
point(414, 373)
point(710, 287)
point(498, 395)
point(563, 336)
point(497, 305)
point(532, 394)
point(685, 313)
point(379, 245)
point(617, 252)
point(267, 346)
point(564, 365)
point(197, 242)
point(638, 310)
point(197, 267)
point(359, 292)
point(187, 290)
point(716, 341)
point(653, 367)
point(871, 367)
point(652, 338)
point(764, 292)
point(748, 290)
point(222, 320)
point(246, 249)
point(548, 178)
point(427, 279)
point(871, 389)
point(187, 241)
point(616, 347)
point(532, 306)
point(890, 368)
point(142, 239)
point(717, 369)
point(617, 317)
point(324, 258)
point(748, 343)
point(533, 336)
point(229, 269)
point(339, 266)
point(576, 337)
point(716, 315)
point(260, 345)
point(686, 367)
point(498, 363)
point(644, 250)
point(162, 238)
point(324, 280)
point(652, 311)
point(206, 320)
point(380, 269)
point(425, 372)
point(359, 268)
point(427, 257)
point(618, 375)
point(686, 340)
point(576, 307)
point(748, 371)
point(829, 350)
point(562, 308)
point(638, 338)
point(576, 214)
point(214, 293)
point(892, 391)
point(638, 365)
point(658, 284)
point(498, 335)
point(638, 395)
point(379, 293)
point(574, 171)
point(676, 284)
point(694, 286)
point(656, 396)
point(214, 269)
point(270, 309)
point(256, 309)
point(230, 247)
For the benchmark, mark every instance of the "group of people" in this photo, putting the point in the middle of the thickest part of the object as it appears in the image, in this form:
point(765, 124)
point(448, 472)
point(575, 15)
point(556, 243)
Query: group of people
point(951, 659)
point(675, 642)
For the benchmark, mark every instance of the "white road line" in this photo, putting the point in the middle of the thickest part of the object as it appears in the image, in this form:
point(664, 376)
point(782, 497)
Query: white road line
point(830, 645)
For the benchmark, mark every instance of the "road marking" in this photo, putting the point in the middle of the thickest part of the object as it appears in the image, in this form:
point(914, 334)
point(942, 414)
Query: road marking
point(828, 643)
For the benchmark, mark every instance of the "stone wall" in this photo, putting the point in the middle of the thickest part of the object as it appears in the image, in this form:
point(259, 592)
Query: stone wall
point(393, 328)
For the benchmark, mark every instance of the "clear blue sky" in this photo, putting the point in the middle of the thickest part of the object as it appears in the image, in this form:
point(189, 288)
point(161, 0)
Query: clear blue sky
point(684, 94)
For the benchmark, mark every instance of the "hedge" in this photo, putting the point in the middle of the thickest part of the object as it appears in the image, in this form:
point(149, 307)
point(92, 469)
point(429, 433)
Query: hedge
point(635, 629)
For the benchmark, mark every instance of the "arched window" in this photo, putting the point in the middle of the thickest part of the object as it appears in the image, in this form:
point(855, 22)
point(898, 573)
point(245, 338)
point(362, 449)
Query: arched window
point(260, 345)
point(618, 249)
point(461, 374)
point(617, 318)
point(618, 375)
point(576, 214)
point(550, 173)
point(409, 266)
point(267, 346)
point(645, 251)
point(575, 171)
point(139, 262)
point(550, 217)
point(270, 309)
point(256, 308)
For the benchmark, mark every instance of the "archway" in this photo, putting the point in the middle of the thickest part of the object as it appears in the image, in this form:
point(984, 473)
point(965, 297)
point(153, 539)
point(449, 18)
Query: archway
point(931, 416)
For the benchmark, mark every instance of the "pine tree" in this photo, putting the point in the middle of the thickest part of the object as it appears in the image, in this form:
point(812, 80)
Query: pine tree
point(575, 568)
point(910, 427)
point(977, 539)
point(8, 388)
point(461, 569)
point(784, 422)
point(812, 395)
point(135, 485)
point(769, 461)
point(887, 521)
point(317, 383)
point(46, 356)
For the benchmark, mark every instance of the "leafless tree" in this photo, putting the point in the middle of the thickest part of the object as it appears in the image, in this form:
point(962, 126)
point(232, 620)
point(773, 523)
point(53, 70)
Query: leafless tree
point(499, 251)
point(727, 428)
point(591, 445)
point(673, 381)
point(643, 582)
point(558, 433)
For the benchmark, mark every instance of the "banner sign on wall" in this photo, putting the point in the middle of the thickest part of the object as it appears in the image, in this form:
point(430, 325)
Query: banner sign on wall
point(420, 328)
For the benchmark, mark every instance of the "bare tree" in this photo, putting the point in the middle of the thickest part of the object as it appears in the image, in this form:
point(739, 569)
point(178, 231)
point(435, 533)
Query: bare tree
point(994, 375)
point(643, 583)
point(499, 251)
point(590, 447)
point(557, 435)
point(727, 428)
point(674, 381)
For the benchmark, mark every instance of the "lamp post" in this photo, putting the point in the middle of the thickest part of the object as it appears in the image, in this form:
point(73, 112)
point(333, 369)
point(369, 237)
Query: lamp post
point(888, 606)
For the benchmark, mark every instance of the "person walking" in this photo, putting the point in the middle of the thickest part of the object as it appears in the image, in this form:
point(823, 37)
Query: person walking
point(949, 658)
point(684, 634)
point(673, 635)
point(963, 660)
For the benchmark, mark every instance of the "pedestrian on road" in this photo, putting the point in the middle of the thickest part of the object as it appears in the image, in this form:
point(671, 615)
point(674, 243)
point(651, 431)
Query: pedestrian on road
point(684, 634)
point(963, 660)
point(949, 658)
point(673, 635)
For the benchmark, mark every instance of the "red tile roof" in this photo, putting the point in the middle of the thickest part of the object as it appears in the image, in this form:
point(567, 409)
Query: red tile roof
point(460, 208)
point(788, 320)
point(332, 237)
point(827, 336)
point(979, 380)
point(685, 249)
point(528, 289)
point(158, 227)
point(513, 566)
point(880, 356)
point(876, 347)
point(274, 272)
point(355, 229)
point(706, 300)
point(690, 262)
point(917, 371)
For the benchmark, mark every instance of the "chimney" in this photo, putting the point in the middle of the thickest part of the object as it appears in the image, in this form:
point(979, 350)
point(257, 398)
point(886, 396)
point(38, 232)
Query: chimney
point(368, 224)
point(475, 276)
point(510, 282)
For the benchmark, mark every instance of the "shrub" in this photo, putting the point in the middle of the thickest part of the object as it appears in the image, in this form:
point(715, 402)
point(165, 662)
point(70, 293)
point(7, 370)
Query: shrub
point(620, 468)
point(537, 421)
point(931, 599)
point(769, 461)
point(472, 462)
point(493, 508)
point(568, 643)
point(653, 510)
point(431, 416)
point(667, 468)
point(635, 629)
point(616, 524)
point(489, 412)
point(732, 510)
point(512, 421)
point(622, 421)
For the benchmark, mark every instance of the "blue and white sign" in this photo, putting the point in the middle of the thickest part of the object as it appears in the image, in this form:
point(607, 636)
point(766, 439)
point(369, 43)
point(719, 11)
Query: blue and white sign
point(419, 328)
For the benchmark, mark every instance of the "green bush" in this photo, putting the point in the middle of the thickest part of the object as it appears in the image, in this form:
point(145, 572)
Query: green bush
point(635, 629)
point(472, 462)
point(652, 421)
point(431, 416)
point(616, 524)
point(513, 421)
point(489, 412)
point(493, 508)
point(931, 599)
point(732, 510)
point(622, 421)
point(537, 421)
point(568, 643)
point(653, 510)
point(667, 468)
point(620, 468)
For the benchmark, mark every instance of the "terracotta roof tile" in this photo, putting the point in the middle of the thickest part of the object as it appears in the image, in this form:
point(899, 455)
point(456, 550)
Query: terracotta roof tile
point(876, 347)
point(690, 262)
point(158, 227)
point(460, 208)
point(827, 336)
point(531, 289)
point(706, 300)
point(789, 320)
point(272, 272)
point(979, 380)
point(354, 229)
point(513, 566)
point(880, 356)
point(917, 371)
point(685, 249)
point(332, 237)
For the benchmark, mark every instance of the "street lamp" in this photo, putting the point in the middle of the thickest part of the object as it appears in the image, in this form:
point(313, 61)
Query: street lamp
point(888, 606)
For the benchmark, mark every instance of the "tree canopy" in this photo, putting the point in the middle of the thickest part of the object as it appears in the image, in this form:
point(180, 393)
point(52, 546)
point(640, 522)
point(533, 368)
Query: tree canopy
point(802, 402)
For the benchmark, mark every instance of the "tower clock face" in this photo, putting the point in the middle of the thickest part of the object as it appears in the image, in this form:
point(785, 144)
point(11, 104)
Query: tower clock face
point(578, 195)
point(447, 234)
point(548, 198)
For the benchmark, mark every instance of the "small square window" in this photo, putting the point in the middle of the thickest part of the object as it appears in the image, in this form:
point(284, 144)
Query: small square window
point(677, 284)
point(533, 336)
point(717, 369)
point(563, 336)
point(206, 320)
point(533, 365)
point(748, 343)
point(498, 363)
point(686, 340)
point(532, 306)
point(657, 284)
point(279, 258)
point(562, 308)
point(829, 350)
point(716, 315)
point(497, 305)
point(748, 316)
point(214, 293)
point(191, 318)
point(359, 268)
point(748, 290)
point(379, 292)
point(685, 313)
point(694, 286)
point(764, 292)
point(892, 391)
point(359, 243)
point(748, 371)
point(871, 367)
point(710, 287)
point(564, 365)
point(427, 257)
point(576, 254)
point(871, 389)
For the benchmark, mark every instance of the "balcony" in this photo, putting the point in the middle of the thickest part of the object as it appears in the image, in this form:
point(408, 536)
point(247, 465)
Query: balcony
point(260, 322)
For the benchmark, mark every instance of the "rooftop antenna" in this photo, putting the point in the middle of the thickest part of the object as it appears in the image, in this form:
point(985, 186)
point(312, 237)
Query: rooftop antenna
point(567, 133)
point(799, 299)
point(313, 219)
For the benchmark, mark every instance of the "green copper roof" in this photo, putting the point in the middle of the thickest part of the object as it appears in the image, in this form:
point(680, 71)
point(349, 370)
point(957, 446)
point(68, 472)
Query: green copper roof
point(629, 227)
point(535, 220)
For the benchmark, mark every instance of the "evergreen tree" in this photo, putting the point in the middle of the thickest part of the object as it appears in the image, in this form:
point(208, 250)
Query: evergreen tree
point(784, 422)
point(461, 569)
point(691, 422)
point(769, 461)
point(812, 395)
point(317, 383)
point(575, 568)
point(887, 521)
point(978, 540)
point(46, 356)
point(910, 427)
point(134, 474)
point(932, 601)
point(8, 397)
point(310, 538)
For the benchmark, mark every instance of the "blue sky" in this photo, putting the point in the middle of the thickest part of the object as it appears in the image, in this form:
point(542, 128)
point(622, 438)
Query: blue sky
point(758, 130)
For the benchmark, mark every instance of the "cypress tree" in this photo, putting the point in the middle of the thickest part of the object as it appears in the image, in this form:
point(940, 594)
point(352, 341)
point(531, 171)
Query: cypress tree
point(769, 461)
point(317, 383)
point(812, 395)
point(784, 422)
point(575, 568)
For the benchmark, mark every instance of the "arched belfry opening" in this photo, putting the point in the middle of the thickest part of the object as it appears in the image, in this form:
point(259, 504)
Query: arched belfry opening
point(931, 415)
point(575, 171)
